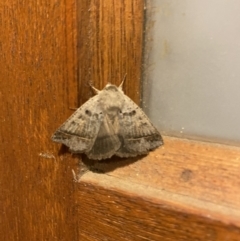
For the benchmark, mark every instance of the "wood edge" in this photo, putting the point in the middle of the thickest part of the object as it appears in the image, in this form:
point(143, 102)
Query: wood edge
point(187, 202)
point(167, 200)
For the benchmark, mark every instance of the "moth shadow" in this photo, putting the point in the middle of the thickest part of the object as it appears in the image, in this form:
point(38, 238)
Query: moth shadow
point(63, 150)
point(108, 165)
point(103, 166)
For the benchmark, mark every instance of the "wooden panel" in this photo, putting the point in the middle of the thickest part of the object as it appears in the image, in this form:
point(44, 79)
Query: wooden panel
point(110, 45)
point(185, 190)
point(38, 84)
point(38, 68)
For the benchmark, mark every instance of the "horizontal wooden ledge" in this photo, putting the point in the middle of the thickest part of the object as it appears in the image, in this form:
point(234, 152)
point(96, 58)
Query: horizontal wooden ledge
point(190, 177)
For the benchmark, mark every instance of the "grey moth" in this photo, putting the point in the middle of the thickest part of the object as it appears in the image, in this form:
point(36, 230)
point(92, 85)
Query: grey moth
point(108, 124)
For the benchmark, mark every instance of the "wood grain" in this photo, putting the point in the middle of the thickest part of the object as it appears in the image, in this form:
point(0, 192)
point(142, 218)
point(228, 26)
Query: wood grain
point(110, 45)
point(185, 190)
point(38, 66)
point(49, 52)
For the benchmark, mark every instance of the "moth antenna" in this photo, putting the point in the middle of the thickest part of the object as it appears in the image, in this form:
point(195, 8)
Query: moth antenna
point(95, 89)
point(121, 85)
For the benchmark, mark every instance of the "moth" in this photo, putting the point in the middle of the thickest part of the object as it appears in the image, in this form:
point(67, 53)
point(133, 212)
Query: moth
point(108, 124)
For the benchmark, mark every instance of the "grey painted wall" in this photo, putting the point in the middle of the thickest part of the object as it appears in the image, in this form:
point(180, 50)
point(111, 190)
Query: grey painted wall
point(192, 68)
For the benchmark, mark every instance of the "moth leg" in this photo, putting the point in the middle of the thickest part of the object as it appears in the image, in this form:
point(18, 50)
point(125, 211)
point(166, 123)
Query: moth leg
point(77, 176)
point(96, 168)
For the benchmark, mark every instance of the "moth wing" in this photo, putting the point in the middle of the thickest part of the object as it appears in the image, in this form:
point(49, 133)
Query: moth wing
point(107, 141)
point(81, 128)
point(138, 134)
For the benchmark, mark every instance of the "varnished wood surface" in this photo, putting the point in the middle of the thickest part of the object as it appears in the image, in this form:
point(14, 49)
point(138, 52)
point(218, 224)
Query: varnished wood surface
point(110, 45)
point(185, 190)
point(38, 63)
point(49, 50)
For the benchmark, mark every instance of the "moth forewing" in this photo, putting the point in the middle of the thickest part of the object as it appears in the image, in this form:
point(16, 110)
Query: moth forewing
point(139, 134)
point(80, 130)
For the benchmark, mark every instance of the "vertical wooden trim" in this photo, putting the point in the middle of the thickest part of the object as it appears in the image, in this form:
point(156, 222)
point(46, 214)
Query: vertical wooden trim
point(110, 45)
point(71, 53)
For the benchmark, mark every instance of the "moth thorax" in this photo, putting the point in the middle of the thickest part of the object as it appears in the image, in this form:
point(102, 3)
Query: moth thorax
point(113, 111)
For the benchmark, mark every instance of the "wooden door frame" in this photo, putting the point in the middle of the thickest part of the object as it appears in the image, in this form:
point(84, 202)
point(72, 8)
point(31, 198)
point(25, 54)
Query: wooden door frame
point(182, 183)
